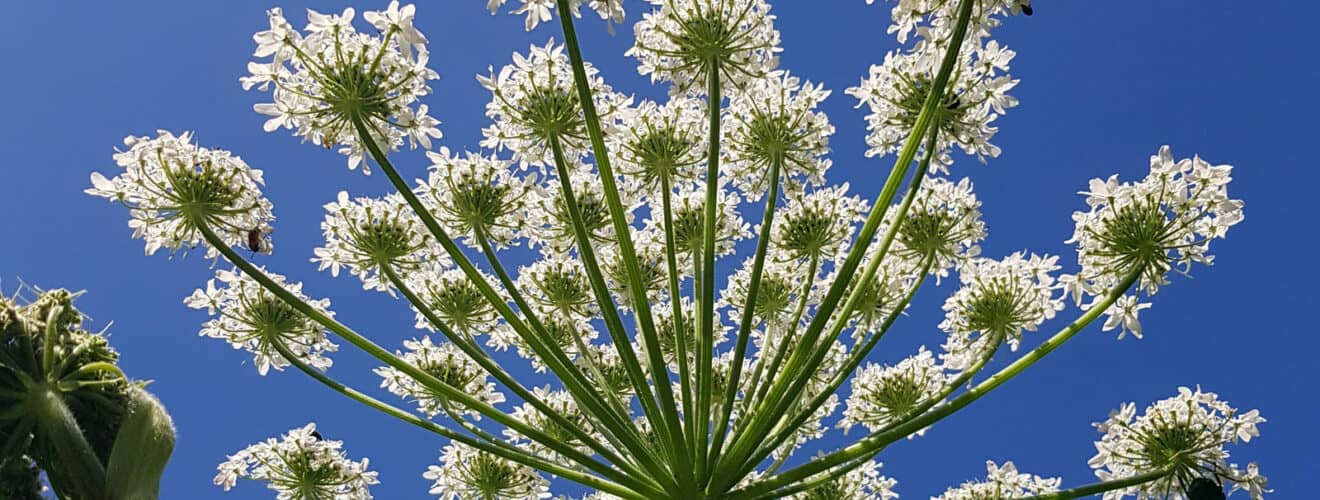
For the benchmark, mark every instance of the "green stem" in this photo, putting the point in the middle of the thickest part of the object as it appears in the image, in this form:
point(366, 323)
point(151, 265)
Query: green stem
point(1105, 486)
point(366, 345)
point(878, 440)
point(675, 303)
point(673, 432)
point(513, 454)
point(706, 316)
point(51, 338)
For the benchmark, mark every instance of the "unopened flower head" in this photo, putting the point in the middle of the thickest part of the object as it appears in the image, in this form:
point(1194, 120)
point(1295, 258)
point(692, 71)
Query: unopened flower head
point(818, 225)
point(882, 395)
point(478, 197)
point(774, 121)
point(172, 187)
point(861, 483)
point(943, 225)
point(682, 40)
point(1002, 482)
point(975, 96)
point(535, 104)
point(331, 84)
point(466, 472)
point(1185, 435)
point(367, 235)
point(689, 217)
point(661, 144)
point(454, 299)
point(1162, 223)
point(998, 299)
point(448, 364)
point(249, 317)
point(539, 11)
point(560, 284)
point(301, 465)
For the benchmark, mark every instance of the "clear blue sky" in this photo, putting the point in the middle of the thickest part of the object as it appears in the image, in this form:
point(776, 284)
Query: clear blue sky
point(1104, 84)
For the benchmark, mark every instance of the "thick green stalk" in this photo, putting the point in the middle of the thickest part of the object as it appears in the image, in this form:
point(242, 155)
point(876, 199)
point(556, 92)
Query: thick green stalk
point(924, 121)
point(880, 439)
point(366, 345)
point(706, 314)
point(672, 432)
point(513, 454)
point(491, 366)
point(745, 322)
point(676, 305)
point(1105, 486)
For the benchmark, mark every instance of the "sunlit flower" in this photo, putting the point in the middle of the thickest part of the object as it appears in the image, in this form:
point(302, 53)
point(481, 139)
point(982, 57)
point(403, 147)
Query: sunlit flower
point(300, 466)
point(466, 472)
point(448, 364)
point(861, 483)
point(330, 79)
point(883, 395)
point(944, 225)
point(682, 40)
point(1002, 482)
point(249, 317)
point(773, 120)
point(367, 235)
point(478, 197)
point(818, 224)
point(172, 187)
point(539, 11)
point(997, 301)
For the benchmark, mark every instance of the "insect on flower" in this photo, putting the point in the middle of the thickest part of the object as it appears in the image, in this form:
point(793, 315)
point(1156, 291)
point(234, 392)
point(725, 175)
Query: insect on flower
point(1205, 489)
point(255, 240)
point(1026, 9)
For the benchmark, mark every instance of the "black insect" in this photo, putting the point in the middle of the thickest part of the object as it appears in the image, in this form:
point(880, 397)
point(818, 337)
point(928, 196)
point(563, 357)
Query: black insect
point(1026, 9)
point(1205, 489)
point(953, 106)
point(317, 435)
point(254, 241)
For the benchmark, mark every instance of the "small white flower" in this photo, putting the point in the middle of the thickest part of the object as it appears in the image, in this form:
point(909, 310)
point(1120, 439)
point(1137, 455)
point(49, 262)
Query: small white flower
point(998, 299)
point(367, 234)
point(300, 466)
point(564, 406)
point(818, 224)
point(249, 317)
point(944, 224)
point(680, 40)
point(881, 395)
point(774, 120)
point(538, 11)
point(171, 187)
point(466, 472)
point(447, 363)
point(861, 483)
point(478, 194)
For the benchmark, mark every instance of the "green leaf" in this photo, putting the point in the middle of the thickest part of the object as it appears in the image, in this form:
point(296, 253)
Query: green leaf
point(142, 449)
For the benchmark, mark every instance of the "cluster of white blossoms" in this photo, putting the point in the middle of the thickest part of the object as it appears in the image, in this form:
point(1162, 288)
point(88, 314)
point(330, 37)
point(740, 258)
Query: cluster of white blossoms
point(466, 472)
point(329, 80)
point(593, 243)
point(539, 11)
point(367, 235)
point(1185, 435)
point(774, 120)
point(882, 395)
point(1160, 224)
point(681, 40)
point(861, 483)
point(172, 186)
point(301, 465)
point(997, 300)
point(250, 317)
point(535, 107)
point(448, 364)
point(1002, 482)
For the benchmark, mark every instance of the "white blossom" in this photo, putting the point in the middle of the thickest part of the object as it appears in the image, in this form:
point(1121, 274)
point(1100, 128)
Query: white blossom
point(301, 465)
point(997, 301)
point(773, 120)
point(447, 363)
point(678, 41)
point(1002, 482)
point(466, 472)
point(882, 395)
point(366, 235)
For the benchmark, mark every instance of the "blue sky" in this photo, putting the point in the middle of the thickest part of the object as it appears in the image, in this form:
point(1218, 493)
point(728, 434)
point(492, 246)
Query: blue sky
point(1104, 84)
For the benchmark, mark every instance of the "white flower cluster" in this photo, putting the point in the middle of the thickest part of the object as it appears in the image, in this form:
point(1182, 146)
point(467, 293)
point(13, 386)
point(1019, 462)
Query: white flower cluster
point(882, 395)
point(1162, 223)
point(535, 104)
point(538, 11)
point(658, 144)
point(447, 363)
point(1002, 482)
point(300, 466)
point(680, 41)
point(466, 472)
point(998, 299)
point(773, 120)
point(368, 234)
point(1186, 435)
point(171, 187)
point(861, 483)
point(328, 79)
point(249, 317)
point(478, 196)
point(896, 91)
point(944, 224)
point(931, 18)
point(818, 224)
point(563, 405)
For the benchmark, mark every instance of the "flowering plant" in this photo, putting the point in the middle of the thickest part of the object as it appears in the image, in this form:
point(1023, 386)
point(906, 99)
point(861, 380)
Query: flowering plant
point(661, 383)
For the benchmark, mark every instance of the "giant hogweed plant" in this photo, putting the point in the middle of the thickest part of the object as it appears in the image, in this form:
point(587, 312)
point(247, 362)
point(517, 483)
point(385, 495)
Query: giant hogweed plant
point(652, 375)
